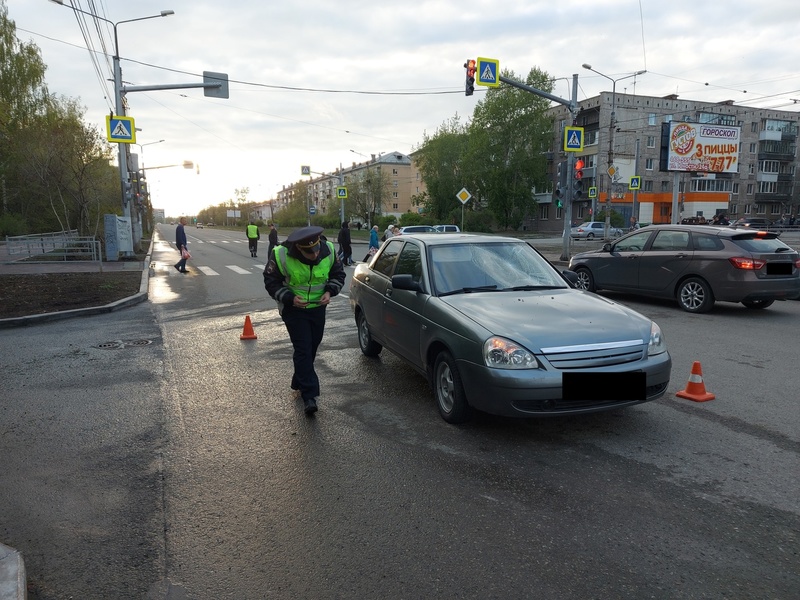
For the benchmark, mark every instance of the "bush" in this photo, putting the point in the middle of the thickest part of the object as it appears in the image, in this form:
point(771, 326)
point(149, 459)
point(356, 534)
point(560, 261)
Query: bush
point(11, 224)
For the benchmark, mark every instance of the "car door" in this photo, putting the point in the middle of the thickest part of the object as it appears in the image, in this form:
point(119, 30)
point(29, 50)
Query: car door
point(403, 309)
point(619, 269)
point(376, 283)
point(664, 261)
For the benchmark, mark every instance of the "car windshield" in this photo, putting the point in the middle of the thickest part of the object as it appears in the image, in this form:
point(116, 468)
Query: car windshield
point(491, 266)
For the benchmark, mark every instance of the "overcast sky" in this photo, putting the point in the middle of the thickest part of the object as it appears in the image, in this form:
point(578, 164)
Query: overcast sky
point(312, 81)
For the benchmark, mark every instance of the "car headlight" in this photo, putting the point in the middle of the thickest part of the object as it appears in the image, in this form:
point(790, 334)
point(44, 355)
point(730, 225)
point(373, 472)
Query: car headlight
point(657, 345)
point(500, 353)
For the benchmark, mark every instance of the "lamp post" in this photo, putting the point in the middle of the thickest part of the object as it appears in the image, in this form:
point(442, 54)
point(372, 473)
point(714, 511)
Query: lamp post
point(611, 127)
point(141, 150)
point(120, 107)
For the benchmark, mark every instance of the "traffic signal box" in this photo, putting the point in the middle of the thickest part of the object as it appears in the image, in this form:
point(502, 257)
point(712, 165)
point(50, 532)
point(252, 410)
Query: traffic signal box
point(561, 183)
point(577, 185)
point(470, 83)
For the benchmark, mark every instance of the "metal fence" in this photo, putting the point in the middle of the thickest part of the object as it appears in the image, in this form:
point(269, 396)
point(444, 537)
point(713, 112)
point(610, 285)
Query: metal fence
point(54, 247)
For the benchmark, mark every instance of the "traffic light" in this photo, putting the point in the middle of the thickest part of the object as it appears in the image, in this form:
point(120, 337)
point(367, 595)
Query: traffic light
point(470, 67)
point(127, 188)
point(577, 185)
point(561, 182)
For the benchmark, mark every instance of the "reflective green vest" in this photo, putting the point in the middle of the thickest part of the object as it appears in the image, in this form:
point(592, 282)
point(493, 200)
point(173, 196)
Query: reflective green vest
point(252, 231)
point(306, 281)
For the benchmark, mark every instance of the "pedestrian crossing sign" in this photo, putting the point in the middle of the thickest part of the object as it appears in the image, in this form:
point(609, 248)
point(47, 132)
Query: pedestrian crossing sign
point(341, 192)
point(593, 192)
point(573, 139)
point(488, 72)
point(120, 129)
point(636, 183)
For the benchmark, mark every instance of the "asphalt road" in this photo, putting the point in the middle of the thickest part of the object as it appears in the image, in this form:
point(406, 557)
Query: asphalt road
point(152, 453)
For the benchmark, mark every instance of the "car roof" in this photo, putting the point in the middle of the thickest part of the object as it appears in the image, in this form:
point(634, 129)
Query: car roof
point(443, 239)
point(727, 232)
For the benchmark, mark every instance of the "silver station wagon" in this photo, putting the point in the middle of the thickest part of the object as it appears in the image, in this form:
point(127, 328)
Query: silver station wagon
point(495, 327)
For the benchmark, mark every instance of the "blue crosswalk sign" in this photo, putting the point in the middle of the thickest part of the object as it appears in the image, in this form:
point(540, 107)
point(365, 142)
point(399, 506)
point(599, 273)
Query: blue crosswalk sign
point(573, 139)
point(120, 129)
point(488, 72)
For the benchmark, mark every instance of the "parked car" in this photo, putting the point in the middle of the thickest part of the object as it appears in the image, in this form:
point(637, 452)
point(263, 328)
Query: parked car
point(495, 327)
point(199, 225)
point(754, 223)
point(591, 230)
point(696, 265)
point(418, 229)
point(447, 228)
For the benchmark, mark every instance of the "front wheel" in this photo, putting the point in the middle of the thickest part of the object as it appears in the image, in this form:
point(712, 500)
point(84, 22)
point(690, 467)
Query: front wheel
point(368, 346)
point(695, 296)
point(449, 391)
point(585, 279)
point(758, 303)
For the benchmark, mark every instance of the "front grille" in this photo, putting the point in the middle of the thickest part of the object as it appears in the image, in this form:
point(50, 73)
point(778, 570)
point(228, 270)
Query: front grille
point(590, 356)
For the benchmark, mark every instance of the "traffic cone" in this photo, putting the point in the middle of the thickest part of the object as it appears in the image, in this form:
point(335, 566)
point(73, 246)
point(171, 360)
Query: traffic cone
point(248, 333)
point(696, 389)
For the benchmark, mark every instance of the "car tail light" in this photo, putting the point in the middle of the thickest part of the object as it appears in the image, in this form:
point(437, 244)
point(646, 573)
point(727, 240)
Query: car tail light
point(748, 264)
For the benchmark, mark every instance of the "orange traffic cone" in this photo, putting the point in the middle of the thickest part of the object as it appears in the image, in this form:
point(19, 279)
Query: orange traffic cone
point(248, 333)
point(696, 389)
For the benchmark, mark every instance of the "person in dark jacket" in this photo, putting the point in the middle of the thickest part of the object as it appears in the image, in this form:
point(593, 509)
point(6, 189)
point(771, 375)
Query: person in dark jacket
point(180, 244)
point(345, 243)
point(302, 275)
point(273, 239)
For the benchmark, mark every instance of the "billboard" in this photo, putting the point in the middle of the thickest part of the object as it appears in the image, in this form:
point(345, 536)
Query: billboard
point(699, 147)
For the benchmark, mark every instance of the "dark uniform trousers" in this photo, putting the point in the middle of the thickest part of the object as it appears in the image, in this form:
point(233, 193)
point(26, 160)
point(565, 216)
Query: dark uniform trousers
point(305, 327)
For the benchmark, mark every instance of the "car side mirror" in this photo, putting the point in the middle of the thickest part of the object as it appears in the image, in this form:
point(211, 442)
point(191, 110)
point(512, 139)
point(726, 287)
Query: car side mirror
point(406, 282)
point(571, 277)
point(607, 247)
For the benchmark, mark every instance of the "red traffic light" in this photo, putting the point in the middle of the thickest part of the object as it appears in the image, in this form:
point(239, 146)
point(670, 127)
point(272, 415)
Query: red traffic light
point(471, 68)
point(578, 164)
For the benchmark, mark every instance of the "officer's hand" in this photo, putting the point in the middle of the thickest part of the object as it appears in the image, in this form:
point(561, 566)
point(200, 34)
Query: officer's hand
point(299, 302)
point(326, 298)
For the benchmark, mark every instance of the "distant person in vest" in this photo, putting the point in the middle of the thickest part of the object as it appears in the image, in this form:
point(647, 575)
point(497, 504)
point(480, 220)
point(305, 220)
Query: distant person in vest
point(273, 239)
point(253, 235)
point(302, 275)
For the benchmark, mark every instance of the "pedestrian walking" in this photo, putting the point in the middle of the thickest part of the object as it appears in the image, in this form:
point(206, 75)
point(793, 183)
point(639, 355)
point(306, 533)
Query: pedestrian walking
point(302, 275)
point(253, 235)
point(181, 244)
point(345, 244)
point(273, 239)
point(374, 244)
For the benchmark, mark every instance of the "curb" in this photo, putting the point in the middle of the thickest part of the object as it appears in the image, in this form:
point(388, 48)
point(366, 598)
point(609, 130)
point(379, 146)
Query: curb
point(13, 585)
point(137, 298)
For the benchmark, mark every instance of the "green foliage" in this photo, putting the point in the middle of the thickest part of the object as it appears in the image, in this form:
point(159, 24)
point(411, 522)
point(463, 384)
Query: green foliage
point(411, 218)
point(499, 157)
point(617, 220)
point(11, 224)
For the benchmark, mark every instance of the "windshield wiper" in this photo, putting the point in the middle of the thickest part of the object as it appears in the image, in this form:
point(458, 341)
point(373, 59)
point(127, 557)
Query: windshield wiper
point(528, 288)
point(467, 290)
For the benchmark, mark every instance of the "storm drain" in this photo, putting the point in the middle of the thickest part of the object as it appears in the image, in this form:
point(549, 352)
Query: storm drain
point(119, 344)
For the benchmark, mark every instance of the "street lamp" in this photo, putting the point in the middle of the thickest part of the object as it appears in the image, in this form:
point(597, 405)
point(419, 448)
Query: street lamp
point(120, 107)
point(141, 150)
point(612, 125)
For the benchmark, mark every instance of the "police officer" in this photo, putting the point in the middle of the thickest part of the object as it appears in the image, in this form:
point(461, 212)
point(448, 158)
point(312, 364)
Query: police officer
point(302, 275)
point(253, 235)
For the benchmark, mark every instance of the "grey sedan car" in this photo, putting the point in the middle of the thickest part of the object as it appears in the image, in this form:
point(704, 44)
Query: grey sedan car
point(696, 265)
point(591, 230)
point(495, 327)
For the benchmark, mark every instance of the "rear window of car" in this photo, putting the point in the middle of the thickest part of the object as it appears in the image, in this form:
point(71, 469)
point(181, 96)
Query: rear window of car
point(758, 245)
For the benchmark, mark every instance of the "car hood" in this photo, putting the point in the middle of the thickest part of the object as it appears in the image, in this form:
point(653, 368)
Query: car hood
point(552, 318)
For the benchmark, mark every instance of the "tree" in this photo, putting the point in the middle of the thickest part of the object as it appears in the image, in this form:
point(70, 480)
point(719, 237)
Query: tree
point(506, 153)
point(369, 191)
point(440, 160)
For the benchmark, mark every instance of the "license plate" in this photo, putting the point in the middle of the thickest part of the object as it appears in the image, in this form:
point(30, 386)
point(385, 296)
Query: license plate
point(604, 387)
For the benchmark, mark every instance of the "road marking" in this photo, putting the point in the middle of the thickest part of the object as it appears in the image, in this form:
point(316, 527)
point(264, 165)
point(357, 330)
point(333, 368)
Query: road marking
point(208, 271)
point(238, 270)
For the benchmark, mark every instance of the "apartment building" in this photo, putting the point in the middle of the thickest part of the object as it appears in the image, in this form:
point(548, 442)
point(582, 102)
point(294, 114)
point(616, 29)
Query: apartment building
point(398, 169)
point(764, 184)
